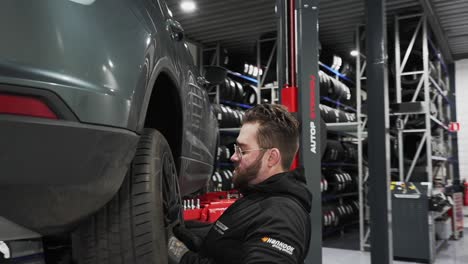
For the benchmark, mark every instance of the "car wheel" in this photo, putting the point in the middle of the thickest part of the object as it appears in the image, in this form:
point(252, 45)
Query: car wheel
point(133, 226)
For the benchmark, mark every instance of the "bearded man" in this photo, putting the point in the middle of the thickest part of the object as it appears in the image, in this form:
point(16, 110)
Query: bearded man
point(270, 223)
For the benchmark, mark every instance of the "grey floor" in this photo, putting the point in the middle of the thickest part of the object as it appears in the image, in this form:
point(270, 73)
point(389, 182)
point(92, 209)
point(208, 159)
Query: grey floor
point(454, 252)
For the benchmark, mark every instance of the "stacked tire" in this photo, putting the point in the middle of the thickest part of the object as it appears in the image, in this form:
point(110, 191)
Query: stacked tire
point(234, 91)
point(333, 115)
point(250, 95)
point(333, 88)
point(227, 116)
point(231, 90)
point(224, 154)
point(323, 184)
point(337, 151)
point(338, 214)
point(221, 180)
point(339, 181)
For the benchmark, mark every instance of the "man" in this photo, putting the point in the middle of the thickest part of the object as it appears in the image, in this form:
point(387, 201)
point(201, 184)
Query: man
point(270, 224)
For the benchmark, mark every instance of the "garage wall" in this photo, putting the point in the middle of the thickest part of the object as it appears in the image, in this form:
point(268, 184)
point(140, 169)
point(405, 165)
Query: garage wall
point(461, 84)
point(194, 51)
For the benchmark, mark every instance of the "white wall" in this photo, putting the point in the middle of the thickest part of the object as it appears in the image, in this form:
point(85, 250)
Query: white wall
point(461, 86)
point(194, 49)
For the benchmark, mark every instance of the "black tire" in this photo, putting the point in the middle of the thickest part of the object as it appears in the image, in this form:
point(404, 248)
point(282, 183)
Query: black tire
point(133, 226)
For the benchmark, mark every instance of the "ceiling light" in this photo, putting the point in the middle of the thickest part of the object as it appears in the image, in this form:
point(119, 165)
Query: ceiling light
point(354, 53)
point(188, 6)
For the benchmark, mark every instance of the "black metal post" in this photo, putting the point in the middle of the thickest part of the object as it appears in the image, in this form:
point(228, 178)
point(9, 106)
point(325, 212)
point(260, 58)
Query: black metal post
point(282, 48)
point(378, 127)
point(453, 117)
point(309, 113)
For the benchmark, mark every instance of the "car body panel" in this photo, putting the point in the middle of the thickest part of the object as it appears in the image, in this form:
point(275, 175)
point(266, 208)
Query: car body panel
point(101, 59)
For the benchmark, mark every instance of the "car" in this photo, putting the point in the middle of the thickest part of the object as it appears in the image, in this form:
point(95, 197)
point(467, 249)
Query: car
point(105, 122)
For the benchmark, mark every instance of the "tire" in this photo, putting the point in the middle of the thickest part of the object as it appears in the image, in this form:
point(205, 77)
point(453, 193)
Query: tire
point(133, 226)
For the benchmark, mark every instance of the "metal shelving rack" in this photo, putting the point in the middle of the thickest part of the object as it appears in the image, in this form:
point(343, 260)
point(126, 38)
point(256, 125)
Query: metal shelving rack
point(354, 131)
point(434, 83)
point(361, 65)
point(435, 90)
point(274, 96)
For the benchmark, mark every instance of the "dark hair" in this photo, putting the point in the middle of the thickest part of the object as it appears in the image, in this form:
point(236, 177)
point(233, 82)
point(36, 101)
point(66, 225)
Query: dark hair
point(277, 129)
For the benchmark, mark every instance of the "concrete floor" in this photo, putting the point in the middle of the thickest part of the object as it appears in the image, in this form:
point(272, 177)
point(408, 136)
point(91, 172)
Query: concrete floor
point(454, 252)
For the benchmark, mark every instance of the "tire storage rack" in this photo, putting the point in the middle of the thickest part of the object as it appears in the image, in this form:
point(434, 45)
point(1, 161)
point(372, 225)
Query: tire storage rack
point(340, 162)
point(419, 114)
point(229, 101)
point(230, 114)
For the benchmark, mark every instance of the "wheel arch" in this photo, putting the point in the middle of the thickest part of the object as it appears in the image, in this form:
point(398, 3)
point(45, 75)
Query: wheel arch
point(164, 113)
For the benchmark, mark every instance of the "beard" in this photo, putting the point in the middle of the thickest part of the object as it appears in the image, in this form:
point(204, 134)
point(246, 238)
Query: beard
point(242, 177)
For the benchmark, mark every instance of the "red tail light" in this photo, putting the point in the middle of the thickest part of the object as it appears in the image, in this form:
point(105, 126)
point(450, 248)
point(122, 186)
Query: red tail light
point(26, 106)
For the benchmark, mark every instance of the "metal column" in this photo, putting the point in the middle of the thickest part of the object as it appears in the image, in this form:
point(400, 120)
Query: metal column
point(453, 117)
point(309, 113)
point(378, 127)
point(360, 69)
point(427, 99)
point(282, 36)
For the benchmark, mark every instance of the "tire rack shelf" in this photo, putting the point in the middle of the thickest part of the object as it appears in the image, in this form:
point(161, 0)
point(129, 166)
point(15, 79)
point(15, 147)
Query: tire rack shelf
point(331, 197)
point(355, 130)
point(331, 230)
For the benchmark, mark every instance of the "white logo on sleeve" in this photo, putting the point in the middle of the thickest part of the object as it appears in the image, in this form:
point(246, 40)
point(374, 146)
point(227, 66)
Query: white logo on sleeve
point(220, 227)
point(278, 245)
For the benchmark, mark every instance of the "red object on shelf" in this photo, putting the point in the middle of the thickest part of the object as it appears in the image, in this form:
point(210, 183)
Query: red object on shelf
point(212, 206)
point(454, 127)
point(466, 194)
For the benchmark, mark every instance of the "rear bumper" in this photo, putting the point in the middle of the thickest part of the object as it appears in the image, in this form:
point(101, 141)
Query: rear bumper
point(55, 172)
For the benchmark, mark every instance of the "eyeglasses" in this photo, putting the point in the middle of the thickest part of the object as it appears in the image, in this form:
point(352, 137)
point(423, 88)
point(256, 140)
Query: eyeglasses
point(239, 152)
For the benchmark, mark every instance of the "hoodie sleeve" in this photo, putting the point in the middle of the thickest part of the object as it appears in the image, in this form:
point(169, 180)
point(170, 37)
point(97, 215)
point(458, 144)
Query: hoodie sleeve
point(277, 234)
point(194, 258)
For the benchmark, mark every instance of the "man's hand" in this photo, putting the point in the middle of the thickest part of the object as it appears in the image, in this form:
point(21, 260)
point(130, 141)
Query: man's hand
point(192, 241)
point(176, 250)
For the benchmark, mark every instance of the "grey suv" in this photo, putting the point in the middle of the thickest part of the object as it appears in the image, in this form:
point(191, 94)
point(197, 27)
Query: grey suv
point(101, 108)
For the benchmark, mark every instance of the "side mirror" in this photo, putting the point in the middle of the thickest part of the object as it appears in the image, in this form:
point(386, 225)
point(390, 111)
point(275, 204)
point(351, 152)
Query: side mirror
point(215, 75)
point(175, 29)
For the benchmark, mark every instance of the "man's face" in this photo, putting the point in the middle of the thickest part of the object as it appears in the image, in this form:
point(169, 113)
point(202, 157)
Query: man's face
point(249, 163)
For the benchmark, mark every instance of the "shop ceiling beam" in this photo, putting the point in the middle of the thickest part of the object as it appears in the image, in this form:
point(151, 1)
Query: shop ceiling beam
point(378, 138)
point(439, 34)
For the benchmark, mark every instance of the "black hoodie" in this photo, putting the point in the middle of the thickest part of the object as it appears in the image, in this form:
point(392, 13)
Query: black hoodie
point(270, 224)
